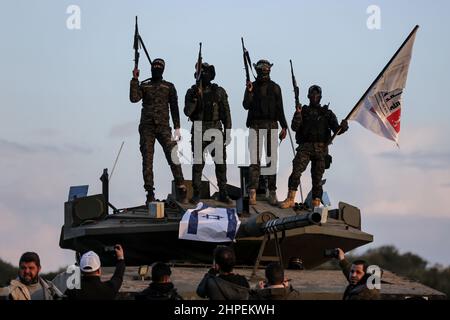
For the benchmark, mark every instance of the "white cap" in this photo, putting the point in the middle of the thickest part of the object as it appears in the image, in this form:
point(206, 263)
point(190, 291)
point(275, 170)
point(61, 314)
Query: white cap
point(90, 262)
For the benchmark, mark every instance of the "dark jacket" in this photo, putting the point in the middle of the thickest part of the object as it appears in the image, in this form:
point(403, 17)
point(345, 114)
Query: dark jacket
point(275, 294)
point(159, 291)
point(314, 124)
point(235, 287)
point(264, 103)
point(359, 291)
point(215, 106)
point(92, 288)
point(157, 97)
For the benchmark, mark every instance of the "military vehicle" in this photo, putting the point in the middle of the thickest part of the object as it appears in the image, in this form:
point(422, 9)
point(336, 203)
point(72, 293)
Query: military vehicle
point(297, 236)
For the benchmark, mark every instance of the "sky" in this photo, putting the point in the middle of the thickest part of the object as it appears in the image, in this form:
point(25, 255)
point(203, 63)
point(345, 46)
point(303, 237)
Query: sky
point(65, 109)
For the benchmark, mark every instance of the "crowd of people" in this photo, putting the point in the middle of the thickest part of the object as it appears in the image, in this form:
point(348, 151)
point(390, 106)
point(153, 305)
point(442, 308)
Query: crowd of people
point(219, 283)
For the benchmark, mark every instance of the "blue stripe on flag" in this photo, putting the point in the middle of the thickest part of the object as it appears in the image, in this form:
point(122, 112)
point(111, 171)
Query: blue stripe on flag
point(232, 223)
point(193, 220)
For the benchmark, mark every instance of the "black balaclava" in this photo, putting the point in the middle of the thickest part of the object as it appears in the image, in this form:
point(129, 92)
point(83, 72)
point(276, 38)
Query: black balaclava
point(312, 89)
point(263, 70)
point(208, 74)
point(158, 66)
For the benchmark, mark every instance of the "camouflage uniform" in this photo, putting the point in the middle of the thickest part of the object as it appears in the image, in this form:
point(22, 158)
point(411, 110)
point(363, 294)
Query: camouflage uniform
point(265, 110)
point(156, 97)
point(313, 131)
point(215, 114)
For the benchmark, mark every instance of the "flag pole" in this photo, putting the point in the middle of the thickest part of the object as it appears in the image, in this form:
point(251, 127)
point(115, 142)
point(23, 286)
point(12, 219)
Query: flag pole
point(376, 80)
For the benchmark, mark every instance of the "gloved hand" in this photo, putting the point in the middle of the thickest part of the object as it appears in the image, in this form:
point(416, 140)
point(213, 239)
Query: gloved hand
point(196, 93)
point(135, 73)
point(298, 108)
point(249, 86)
point(344, 126)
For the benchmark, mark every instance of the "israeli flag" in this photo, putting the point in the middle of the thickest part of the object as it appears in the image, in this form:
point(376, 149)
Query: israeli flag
point(209, 224)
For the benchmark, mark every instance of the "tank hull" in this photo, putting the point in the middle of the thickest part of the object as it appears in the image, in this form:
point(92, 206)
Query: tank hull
point(147, 240)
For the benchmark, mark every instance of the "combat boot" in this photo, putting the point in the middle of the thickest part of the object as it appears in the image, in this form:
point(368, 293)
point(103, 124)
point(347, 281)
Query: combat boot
point(252, 197)
point(223, 197)
point(150, 197)
point(272, 199)
point(316, 202)
point(195, 198)
point(182, 194)
point(290, 200)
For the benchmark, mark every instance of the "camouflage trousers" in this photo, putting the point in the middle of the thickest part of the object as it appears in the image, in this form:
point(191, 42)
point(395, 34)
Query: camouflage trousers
point(261, 136)
point(306, 152)
point(220, 164)
point(150, 133)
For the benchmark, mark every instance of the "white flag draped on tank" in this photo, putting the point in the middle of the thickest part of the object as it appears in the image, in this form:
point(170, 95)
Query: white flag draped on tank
point(209, 224)
point(379, 110)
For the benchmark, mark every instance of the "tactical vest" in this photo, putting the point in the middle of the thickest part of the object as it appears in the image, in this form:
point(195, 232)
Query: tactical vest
point(315, 125)
point(264, 103)
point(211, 106)
point(155, 106)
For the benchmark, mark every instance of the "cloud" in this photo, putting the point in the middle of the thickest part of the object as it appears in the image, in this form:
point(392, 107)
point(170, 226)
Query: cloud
point(416, 233)
point(420, 159)
point(18, 236)
point(76, 148)
point(46, 132)
point(122, 130)
point(34, 186)
point(13, 148)
point(386, 185)
point(35, 177)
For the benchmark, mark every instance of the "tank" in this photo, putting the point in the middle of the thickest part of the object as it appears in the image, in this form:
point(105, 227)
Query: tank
point(93, 223)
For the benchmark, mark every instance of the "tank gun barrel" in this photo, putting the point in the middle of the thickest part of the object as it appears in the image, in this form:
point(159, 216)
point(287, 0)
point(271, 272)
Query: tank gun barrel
point(267, 222)
point(292, 222)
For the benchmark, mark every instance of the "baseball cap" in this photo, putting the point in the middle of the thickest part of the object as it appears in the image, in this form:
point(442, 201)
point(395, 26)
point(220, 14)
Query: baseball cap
point(90, 262)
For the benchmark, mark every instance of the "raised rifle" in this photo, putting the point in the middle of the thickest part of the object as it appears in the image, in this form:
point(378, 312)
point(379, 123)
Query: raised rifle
point(198, 71)
point(137, 44)
point(297, 103)
point(247, 63)
point(198, 78)
point(294, 84)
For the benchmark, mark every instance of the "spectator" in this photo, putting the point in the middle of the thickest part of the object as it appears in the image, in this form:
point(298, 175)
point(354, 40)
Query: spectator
point(161, 287)
point(220, 283)
point(92, 288)
point(356, 275)
point(29, 285)
point(276, 286)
